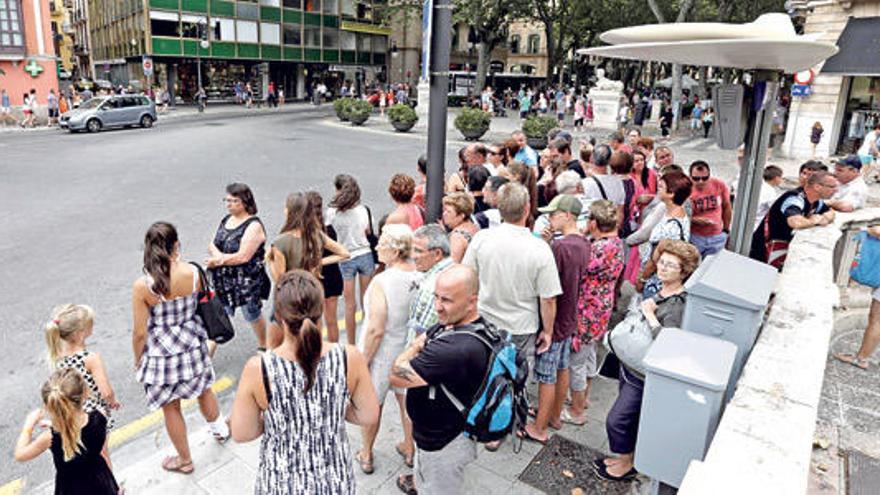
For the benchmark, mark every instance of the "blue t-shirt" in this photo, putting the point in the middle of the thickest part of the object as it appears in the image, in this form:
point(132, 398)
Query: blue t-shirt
point(528, 156)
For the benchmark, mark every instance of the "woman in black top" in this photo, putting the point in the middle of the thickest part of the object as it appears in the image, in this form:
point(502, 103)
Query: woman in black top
point(75, 438)
point(237, 263)
point(331, 276)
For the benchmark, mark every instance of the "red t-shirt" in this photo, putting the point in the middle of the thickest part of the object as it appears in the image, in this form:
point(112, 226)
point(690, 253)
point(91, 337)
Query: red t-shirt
point(708, 204)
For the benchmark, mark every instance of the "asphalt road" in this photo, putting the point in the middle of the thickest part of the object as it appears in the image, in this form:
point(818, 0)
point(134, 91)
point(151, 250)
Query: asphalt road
point(76, 207)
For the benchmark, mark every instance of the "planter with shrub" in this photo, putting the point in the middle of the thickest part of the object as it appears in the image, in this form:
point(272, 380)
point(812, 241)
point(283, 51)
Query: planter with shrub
point(472, 123)
point(402, 117)
point(359, 111)
point(341, 107)
point(536, 128)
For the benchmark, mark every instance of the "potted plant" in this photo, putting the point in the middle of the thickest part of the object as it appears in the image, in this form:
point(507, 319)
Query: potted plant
point(402, 117)
point(536, 128)
point(358, 111)
point(341, 107)
point(472, 123)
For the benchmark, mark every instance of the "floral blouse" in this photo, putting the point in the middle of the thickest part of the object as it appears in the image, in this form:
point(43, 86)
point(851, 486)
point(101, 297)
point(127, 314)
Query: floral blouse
point(596, 297)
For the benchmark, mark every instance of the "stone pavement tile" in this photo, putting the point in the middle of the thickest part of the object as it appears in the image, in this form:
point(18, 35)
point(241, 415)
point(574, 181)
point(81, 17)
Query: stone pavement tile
point(603, 393)
point(861, 420)
point(248, 453)
point(148, 477)
point(505, 462)
point(233, 478)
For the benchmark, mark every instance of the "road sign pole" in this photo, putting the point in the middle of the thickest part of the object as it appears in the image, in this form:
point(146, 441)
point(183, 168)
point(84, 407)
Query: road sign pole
point(439, 77)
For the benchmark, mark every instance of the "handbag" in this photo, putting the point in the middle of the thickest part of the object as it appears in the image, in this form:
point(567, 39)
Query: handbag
point(630, 339)
point(210, 309)
point(372, 238)
point(866, 265)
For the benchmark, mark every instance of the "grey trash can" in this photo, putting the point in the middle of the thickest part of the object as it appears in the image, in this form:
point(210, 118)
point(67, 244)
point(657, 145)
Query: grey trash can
point(727, 297)
point(687, 375)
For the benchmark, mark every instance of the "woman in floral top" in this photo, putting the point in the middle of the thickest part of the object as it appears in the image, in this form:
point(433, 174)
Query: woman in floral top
point(595, 303)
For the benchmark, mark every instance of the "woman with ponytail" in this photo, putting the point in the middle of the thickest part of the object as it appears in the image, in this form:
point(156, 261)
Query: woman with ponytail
point(170, 342)
point(298, 397)
point(76, 438)
point(299, 245)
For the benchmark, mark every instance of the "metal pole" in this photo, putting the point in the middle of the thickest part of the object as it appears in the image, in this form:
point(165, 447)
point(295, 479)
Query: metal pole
point(766, 87)
point(439, 73)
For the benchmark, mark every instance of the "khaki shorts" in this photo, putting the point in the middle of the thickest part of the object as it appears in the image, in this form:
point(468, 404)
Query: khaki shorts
point(583, 364)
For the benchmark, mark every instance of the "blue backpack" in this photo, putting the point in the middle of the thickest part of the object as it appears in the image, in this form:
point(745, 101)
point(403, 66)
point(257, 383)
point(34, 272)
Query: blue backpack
point(501, 404)
point(866, 265)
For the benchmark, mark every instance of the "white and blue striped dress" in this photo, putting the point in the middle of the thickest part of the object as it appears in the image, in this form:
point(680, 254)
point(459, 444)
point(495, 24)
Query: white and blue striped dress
point(305, 447)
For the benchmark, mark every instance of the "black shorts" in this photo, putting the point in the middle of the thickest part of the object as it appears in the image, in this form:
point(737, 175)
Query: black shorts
point(53, 113)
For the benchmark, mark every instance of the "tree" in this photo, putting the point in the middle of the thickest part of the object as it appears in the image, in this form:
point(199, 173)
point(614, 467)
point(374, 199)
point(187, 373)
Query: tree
point(684, 9)
point(489, 20)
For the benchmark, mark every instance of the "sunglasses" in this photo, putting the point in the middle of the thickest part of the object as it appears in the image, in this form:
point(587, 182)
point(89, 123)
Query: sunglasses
point(703, 178)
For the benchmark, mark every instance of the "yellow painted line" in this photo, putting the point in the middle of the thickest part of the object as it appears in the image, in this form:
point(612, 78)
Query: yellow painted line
point(138, 426)
point(12, 488)
point(340, 324)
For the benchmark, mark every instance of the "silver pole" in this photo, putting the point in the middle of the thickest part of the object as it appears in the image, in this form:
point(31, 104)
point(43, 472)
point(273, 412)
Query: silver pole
point(439, 78)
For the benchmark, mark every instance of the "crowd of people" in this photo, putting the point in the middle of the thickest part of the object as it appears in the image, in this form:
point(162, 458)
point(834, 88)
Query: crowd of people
point(544, 246)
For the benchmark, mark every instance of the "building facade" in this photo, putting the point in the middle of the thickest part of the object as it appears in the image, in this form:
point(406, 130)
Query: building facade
point(27, 51)
point(845, 94)
point(62, 35)
point(79, 19)
point(527, 49)
point(290, 43)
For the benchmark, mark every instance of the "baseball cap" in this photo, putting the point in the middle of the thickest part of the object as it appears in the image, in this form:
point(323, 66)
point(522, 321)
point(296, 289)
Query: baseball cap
point(564, 202)
point(851, 161)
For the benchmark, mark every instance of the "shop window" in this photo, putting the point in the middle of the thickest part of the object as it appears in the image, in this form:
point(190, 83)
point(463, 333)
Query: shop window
point(348, 8)
point(312, 5)
point(331, 38)
point(224, 29)
point(164, 24)
point(292, 34)
point(347, 40)
point(247, 31)
point(247, 11)
point(514, 43)
point(534, 43)
point(271, 3)
point(270, 34)
point(193, 26)
point(312, 35)
point(293, 4)
point(363, 43)
point(330, 7)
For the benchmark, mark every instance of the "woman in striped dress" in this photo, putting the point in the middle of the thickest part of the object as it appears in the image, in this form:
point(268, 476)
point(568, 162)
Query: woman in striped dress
point(170, 342)
point(298, 397)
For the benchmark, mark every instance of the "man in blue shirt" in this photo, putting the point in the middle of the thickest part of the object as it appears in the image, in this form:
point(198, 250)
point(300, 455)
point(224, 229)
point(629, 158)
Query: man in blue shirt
point(525, 154)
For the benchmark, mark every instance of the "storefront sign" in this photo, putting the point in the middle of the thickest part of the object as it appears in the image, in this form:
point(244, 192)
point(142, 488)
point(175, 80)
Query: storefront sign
point(360, 27)
point(33, 68)
point(148, 66)
point(801, 90)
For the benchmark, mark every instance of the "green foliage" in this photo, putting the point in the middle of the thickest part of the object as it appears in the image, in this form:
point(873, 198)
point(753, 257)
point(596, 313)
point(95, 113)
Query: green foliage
point(341, 107)
point(359, 111)
point(402, 113)
point(472, 119)
point(537, 126)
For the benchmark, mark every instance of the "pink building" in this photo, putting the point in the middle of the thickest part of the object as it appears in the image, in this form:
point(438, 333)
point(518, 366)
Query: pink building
point(27, 53)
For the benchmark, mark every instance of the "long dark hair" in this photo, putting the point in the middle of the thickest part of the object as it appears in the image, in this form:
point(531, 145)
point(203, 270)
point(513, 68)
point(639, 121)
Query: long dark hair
point(300, 217)
point(348, 192)
point(299, 303)
point(243, 192)
point(158, 247)
point(317, 203)
point(645, 174)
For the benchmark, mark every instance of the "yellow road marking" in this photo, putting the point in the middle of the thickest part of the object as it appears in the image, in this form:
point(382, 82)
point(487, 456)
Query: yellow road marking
point(340, 324)
point(12, 488)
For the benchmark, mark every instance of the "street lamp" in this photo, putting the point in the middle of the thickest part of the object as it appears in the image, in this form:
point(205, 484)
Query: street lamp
point(203, 45)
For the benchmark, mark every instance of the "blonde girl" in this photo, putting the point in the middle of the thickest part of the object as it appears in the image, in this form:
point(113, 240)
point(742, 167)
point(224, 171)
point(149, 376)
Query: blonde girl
point(66, 333)
point(76, 438)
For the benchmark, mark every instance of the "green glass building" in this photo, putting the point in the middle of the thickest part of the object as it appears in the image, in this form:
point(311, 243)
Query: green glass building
point(291, 43)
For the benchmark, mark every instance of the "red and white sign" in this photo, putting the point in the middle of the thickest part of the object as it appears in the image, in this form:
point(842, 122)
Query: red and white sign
point(804, 77)
point(148, 66)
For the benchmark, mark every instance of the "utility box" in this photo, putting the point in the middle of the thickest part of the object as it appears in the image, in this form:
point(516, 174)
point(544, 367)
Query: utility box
point(727, 297)
point(730, 115)
point(686, 376)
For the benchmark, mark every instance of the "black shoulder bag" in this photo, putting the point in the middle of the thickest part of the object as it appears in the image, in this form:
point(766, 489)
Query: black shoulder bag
point(216, 321)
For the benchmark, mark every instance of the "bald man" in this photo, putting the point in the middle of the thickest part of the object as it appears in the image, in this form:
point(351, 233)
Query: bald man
point(443, 356)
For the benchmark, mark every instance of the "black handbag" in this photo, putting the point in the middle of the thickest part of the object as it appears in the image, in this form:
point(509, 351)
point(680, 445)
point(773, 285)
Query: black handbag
point(372, 238)
point(216, 321)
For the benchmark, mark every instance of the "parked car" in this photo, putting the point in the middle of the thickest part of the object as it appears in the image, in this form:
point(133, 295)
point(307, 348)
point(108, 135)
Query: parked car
point(102, 112)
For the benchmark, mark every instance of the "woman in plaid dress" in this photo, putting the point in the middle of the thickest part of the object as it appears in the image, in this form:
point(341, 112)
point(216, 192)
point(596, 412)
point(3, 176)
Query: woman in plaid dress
point(170, 342)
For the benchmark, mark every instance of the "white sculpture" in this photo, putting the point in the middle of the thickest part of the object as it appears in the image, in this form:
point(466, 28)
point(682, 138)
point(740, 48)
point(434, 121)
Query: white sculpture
point(605, 84)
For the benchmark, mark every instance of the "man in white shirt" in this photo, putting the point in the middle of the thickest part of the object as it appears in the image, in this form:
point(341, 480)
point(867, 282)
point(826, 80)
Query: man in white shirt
point(853, 191)
point(770, 190)
point(519, 281)
point(868, 151)
point(600, 184)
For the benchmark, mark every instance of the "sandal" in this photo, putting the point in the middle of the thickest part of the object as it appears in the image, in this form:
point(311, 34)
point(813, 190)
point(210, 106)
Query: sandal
point(406, 484)
point(566, 417)
point(366, 465)
point(852, 359)
point(172, 463)
point(493, 446)
point(524, 434)
point(407, 458)
point(601, 471)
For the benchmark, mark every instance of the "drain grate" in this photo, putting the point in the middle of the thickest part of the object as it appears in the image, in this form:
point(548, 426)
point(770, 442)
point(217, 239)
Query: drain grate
point(564, 465)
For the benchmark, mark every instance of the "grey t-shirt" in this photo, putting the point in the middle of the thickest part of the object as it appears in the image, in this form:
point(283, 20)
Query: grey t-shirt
point(611, 184)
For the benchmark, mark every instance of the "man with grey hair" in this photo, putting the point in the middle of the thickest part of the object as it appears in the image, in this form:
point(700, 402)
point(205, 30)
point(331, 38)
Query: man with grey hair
point(516, 270)
point(568, 182)
point(431, 255)
point(600, 183)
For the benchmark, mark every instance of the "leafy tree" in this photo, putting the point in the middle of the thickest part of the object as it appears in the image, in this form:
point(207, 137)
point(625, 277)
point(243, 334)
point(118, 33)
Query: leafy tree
point(490, 21)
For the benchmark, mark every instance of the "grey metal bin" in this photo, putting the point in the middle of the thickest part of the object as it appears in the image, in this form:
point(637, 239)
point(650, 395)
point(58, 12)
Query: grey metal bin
point(686, 376)
point(727, 296)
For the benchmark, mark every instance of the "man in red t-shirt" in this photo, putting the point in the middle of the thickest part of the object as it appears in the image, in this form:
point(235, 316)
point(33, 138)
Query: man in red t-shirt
point(710, 224)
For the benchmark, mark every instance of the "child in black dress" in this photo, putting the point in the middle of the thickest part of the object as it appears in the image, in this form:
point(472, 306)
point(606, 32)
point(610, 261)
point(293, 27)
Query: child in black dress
point(75, 438)
point(815, 136)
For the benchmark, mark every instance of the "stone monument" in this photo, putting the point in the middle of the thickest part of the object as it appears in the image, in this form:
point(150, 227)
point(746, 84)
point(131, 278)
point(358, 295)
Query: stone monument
point(606, 96)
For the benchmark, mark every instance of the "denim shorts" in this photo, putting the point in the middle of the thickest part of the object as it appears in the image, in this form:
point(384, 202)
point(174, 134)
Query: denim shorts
point(362, 264)
point(252, 311)
point(553, 360)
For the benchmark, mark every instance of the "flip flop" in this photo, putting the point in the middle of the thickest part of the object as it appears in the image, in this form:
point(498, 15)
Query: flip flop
point(406, 484)
point(172, 463)
point(407, 458)
point(566, 417)
point(524, 434)
point(601, 472)
point(852, 360)
point(366, 465)
point(493, 446)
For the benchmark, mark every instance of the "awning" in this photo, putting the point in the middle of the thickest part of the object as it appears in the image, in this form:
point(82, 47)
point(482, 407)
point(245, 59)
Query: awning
point(859, 53)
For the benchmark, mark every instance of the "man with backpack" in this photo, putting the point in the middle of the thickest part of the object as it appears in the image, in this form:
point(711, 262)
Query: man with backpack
point(440, 361)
